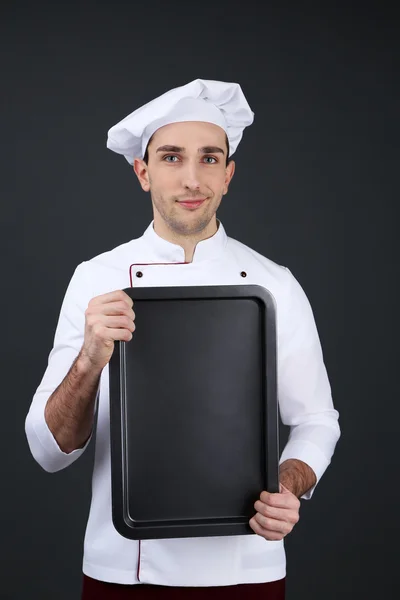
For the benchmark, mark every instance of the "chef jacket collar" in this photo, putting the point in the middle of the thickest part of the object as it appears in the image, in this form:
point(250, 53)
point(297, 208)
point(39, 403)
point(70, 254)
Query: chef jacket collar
point(164, 251)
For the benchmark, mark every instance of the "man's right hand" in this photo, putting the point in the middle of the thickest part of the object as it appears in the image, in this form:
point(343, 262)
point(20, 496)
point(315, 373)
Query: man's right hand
point(108, 318)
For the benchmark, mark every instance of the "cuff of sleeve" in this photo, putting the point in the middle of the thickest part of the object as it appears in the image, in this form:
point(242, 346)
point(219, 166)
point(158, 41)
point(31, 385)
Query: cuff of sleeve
point(52, 458)
point(311, 455)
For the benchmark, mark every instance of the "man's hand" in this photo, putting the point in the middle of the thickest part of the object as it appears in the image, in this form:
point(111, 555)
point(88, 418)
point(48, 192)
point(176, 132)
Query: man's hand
point(108, 318)
point(276, 515)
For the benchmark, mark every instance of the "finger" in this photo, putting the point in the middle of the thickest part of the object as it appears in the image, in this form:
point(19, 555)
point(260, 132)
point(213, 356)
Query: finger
point(280, 500)
point(115, 296)
point(115, 308)
point(268, 535)
point(118, 322)
point(281, 514)
point(113, 321)
point(122, 335)
point(282, 527)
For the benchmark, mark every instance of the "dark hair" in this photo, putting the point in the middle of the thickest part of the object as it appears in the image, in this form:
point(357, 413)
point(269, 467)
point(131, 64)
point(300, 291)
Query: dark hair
point(146, 154)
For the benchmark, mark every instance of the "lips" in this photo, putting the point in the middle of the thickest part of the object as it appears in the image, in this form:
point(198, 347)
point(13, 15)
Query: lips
point(192, 203)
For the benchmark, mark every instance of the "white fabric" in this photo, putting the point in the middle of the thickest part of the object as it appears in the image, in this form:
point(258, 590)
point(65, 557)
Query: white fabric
point(218, 102)
point(187, 109)
point(304, 400)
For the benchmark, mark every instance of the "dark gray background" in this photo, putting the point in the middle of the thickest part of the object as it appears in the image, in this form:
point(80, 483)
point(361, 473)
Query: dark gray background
point(314, 190)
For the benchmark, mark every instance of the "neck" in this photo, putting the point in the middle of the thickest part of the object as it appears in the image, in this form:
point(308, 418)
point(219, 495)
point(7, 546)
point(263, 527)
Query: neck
point(187, 242)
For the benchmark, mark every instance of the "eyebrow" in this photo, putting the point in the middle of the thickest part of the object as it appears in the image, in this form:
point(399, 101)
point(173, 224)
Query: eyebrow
point(203, 150)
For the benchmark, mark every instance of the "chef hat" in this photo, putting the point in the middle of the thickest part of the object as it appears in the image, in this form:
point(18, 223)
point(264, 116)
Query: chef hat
point(217, 102)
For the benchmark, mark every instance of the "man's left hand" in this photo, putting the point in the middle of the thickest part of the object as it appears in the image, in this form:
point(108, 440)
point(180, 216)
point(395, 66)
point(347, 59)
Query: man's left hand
point(276, 515)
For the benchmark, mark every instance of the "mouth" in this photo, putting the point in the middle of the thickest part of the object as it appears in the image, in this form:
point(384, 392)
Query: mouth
point(192, 204)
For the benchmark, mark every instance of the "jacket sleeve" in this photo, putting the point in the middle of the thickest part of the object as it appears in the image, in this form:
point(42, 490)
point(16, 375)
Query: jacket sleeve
point(68, 341)
point(304, 392)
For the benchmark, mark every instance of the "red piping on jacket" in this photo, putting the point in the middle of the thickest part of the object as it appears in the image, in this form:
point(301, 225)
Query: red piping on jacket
point(149, 265)
point(138, 564)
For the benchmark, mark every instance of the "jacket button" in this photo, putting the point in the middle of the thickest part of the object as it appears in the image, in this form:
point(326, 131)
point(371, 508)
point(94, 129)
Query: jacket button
point(243, 274)
point(139, 274)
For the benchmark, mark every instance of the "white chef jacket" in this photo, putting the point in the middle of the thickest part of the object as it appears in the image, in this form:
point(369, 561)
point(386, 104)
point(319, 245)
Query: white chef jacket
point(305, 404)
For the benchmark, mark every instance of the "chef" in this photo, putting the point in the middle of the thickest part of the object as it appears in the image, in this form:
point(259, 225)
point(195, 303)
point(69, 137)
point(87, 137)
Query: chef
point(180, 146)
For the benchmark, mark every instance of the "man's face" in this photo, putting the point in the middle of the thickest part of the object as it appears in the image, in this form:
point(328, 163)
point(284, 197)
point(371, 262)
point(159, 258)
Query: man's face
point(186, 162)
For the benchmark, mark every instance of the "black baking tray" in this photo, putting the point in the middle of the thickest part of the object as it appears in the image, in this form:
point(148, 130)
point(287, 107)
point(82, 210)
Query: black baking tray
point(194, 412)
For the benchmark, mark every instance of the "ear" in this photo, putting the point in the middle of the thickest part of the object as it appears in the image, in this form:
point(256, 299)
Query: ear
point(142, 173)
point(229, 171)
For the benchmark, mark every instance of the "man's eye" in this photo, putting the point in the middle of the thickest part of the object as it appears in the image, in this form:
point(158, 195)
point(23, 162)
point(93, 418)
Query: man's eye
point(210, 158)
point(170, 156)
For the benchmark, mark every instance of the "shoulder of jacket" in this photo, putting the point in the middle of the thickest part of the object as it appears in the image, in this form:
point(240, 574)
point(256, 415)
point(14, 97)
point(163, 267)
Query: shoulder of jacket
point(116, 255)
point(259, 261)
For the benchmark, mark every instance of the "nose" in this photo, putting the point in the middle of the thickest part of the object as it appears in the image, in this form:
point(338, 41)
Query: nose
point(190, 176)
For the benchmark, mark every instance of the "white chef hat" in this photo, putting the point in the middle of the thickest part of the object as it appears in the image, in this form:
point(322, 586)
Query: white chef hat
point(217, 102)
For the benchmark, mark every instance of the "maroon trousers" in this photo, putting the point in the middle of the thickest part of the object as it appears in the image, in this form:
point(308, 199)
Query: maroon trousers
point(92, 589)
